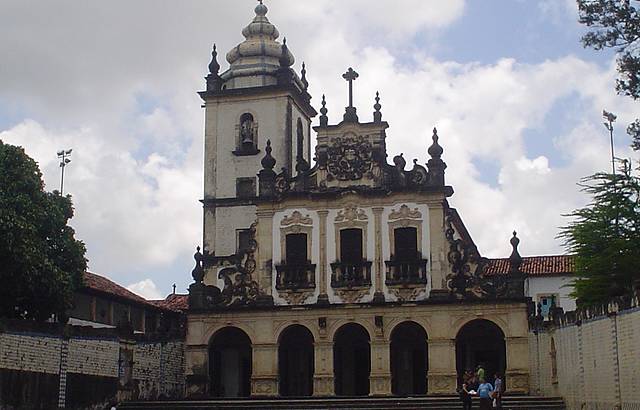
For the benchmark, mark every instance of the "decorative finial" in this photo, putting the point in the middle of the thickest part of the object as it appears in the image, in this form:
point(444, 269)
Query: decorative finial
point(268, 162)
point(324, 120)
point(350, 113)
point(377, 115)
point(304, 76)
point(515, 257)
point(286, 58)
point(174, 288)
point(261, 9)
point(214, 67)
point(198, 271)
point(435, 150)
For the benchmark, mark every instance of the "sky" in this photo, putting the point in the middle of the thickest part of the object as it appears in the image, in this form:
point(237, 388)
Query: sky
point(516, 99)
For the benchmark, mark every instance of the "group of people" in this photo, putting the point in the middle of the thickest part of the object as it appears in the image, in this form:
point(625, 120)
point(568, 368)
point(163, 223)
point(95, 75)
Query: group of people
point(476, 384)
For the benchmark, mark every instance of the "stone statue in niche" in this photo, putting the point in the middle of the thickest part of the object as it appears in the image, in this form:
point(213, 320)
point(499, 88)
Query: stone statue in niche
point(247, 137)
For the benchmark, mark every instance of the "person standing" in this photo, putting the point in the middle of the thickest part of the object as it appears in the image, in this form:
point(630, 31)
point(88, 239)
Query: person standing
point(480, 372)
point(465, 395)
point(498, 388)
point(485, 390)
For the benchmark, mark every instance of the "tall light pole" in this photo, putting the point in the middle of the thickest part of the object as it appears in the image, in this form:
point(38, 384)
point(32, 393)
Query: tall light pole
point(611, 118)
point(63, 155)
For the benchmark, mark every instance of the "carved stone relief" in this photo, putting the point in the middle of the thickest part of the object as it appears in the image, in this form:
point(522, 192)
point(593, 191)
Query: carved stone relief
point(349, 158)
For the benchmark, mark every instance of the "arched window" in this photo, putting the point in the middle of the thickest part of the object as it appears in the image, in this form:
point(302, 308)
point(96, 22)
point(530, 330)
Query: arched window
point(247, 135)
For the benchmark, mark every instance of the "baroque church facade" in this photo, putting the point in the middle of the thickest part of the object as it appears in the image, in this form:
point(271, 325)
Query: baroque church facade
point(333, 272)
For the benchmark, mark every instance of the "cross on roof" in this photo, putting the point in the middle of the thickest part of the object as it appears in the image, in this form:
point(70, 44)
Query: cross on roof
point(350, 76)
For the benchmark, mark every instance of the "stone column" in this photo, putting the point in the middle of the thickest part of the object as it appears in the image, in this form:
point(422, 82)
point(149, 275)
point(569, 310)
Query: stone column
point(380, 378)
point(442, 376)
point(378, 263)
point(197, 370)
point(323, 298)
point(323, 376)
point(264, 237)
point(439, 265)
point(264, 377)
point(517, 376)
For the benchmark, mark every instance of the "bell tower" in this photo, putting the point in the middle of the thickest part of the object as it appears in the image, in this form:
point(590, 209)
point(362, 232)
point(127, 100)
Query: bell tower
point(259, 98)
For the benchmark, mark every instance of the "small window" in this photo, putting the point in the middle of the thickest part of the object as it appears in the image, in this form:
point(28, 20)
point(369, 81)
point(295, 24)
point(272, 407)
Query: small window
point(296, 249)
point(245, 187)
point(405, 244)
point(546, 302)
point(247, 132)
point(243, 240)
point(351, 246)
point(300, 140)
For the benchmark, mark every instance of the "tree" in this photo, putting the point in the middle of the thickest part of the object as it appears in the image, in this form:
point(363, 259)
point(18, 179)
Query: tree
point(41, 263)
point(616, 24)
point(605, 237)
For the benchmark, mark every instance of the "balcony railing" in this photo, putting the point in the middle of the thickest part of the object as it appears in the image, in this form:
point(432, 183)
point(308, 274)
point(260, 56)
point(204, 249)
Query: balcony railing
point(296, 276)
point(347, 275)
point(409, 272)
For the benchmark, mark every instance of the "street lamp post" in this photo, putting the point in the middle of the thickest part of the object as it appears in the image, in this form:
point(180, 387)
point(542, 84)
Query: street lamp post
point(63, 155)
point(611, 118)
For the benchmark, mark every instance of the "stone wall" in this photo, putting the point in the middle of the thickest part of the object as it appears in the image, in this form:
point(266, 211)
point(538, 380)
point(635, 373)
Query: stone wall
point(591, 358)
point(48, 366)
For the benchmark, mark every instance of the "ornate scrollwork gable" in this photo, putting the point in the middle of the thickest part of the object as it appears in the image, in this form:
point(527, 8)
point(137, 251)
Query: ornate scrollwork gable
point(236, 272)
point(296, 218)
point(468, 278)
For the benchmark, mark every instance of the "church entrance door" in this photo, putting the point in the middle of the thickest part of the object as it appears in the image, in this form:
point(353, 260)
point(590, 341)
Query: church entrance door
point(296, 361)
point(408, 359)
point(351, 360)
point(230, 363)
point(481, 342)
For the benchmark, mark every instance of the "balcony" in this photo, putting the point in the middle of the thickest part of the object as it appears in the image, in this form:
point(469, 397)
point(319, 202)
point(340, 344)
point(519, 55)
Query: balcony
point(296, 276)
point(406, 272)
point(349, 275)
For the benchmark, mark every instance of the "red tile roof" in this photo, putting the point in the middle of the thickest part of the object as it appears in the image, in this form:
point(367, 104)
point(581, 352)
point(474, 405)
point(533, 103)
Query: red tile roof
point(103, 285)
point(175, 302)
point(553, 265)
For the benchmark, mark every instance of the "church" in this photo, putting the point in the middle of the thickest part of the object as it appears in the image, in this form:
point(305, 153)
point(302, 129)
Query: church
point(334, 268)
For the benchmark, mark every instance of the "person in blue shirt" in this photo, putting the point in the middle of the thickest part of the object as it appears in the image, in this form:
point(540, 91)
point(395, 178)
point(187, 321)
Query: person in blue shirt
point(485, 391)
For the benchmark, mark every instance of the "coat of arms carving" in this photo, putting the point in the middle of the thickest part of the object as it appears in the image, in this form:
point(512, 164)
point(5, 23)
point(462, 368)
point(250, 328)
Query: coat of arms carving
point(349, 158)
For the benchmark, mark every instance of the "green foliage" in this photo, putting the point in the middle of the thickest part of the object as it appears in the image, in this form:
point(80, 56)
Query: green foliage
point(616, 24)
point(41, 263)
point(605, 237)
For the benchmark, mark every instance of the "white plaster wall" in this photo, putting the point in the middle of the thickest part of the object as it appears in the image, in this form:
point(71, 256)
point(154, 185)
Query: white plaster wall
point(552, 285)
point(425, 245)
point(228, 221)
point(277, 251)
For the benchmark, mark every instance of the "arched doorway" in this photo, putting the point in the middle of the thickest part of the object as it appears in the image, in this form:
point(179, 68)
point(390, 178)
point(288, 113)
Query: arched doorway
point(295, 361)
point(230, 363)
point(408, 359)
point(481, 342)
point(351, 360)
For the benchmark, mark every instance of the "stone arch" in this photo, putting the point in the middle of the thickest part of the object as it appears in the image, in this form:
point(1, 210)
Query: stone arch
point(214, 330)
point(481, 343)
point(408, 354)
point(463, 321)
point(334, 326)
point(296, 361)
point(230, 363)
point(352, 360)
point(307, 324)
point(392, 323)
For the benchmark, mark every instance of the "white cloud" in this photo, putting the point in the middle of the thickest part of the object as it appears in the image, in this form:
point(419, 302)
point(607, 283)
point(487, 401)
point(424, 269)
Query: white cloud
point(146, 288)
point(121, 93)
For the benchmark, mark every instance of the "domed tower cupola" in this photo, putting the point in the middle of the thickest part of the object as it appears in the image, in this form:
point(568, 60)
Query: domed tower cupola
point(260, 60)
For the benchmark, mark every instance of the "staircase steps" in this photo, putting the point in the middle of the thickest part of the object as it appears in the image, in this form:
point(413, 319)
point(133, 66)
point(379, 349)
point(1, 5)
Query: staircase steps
point(403, 403)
